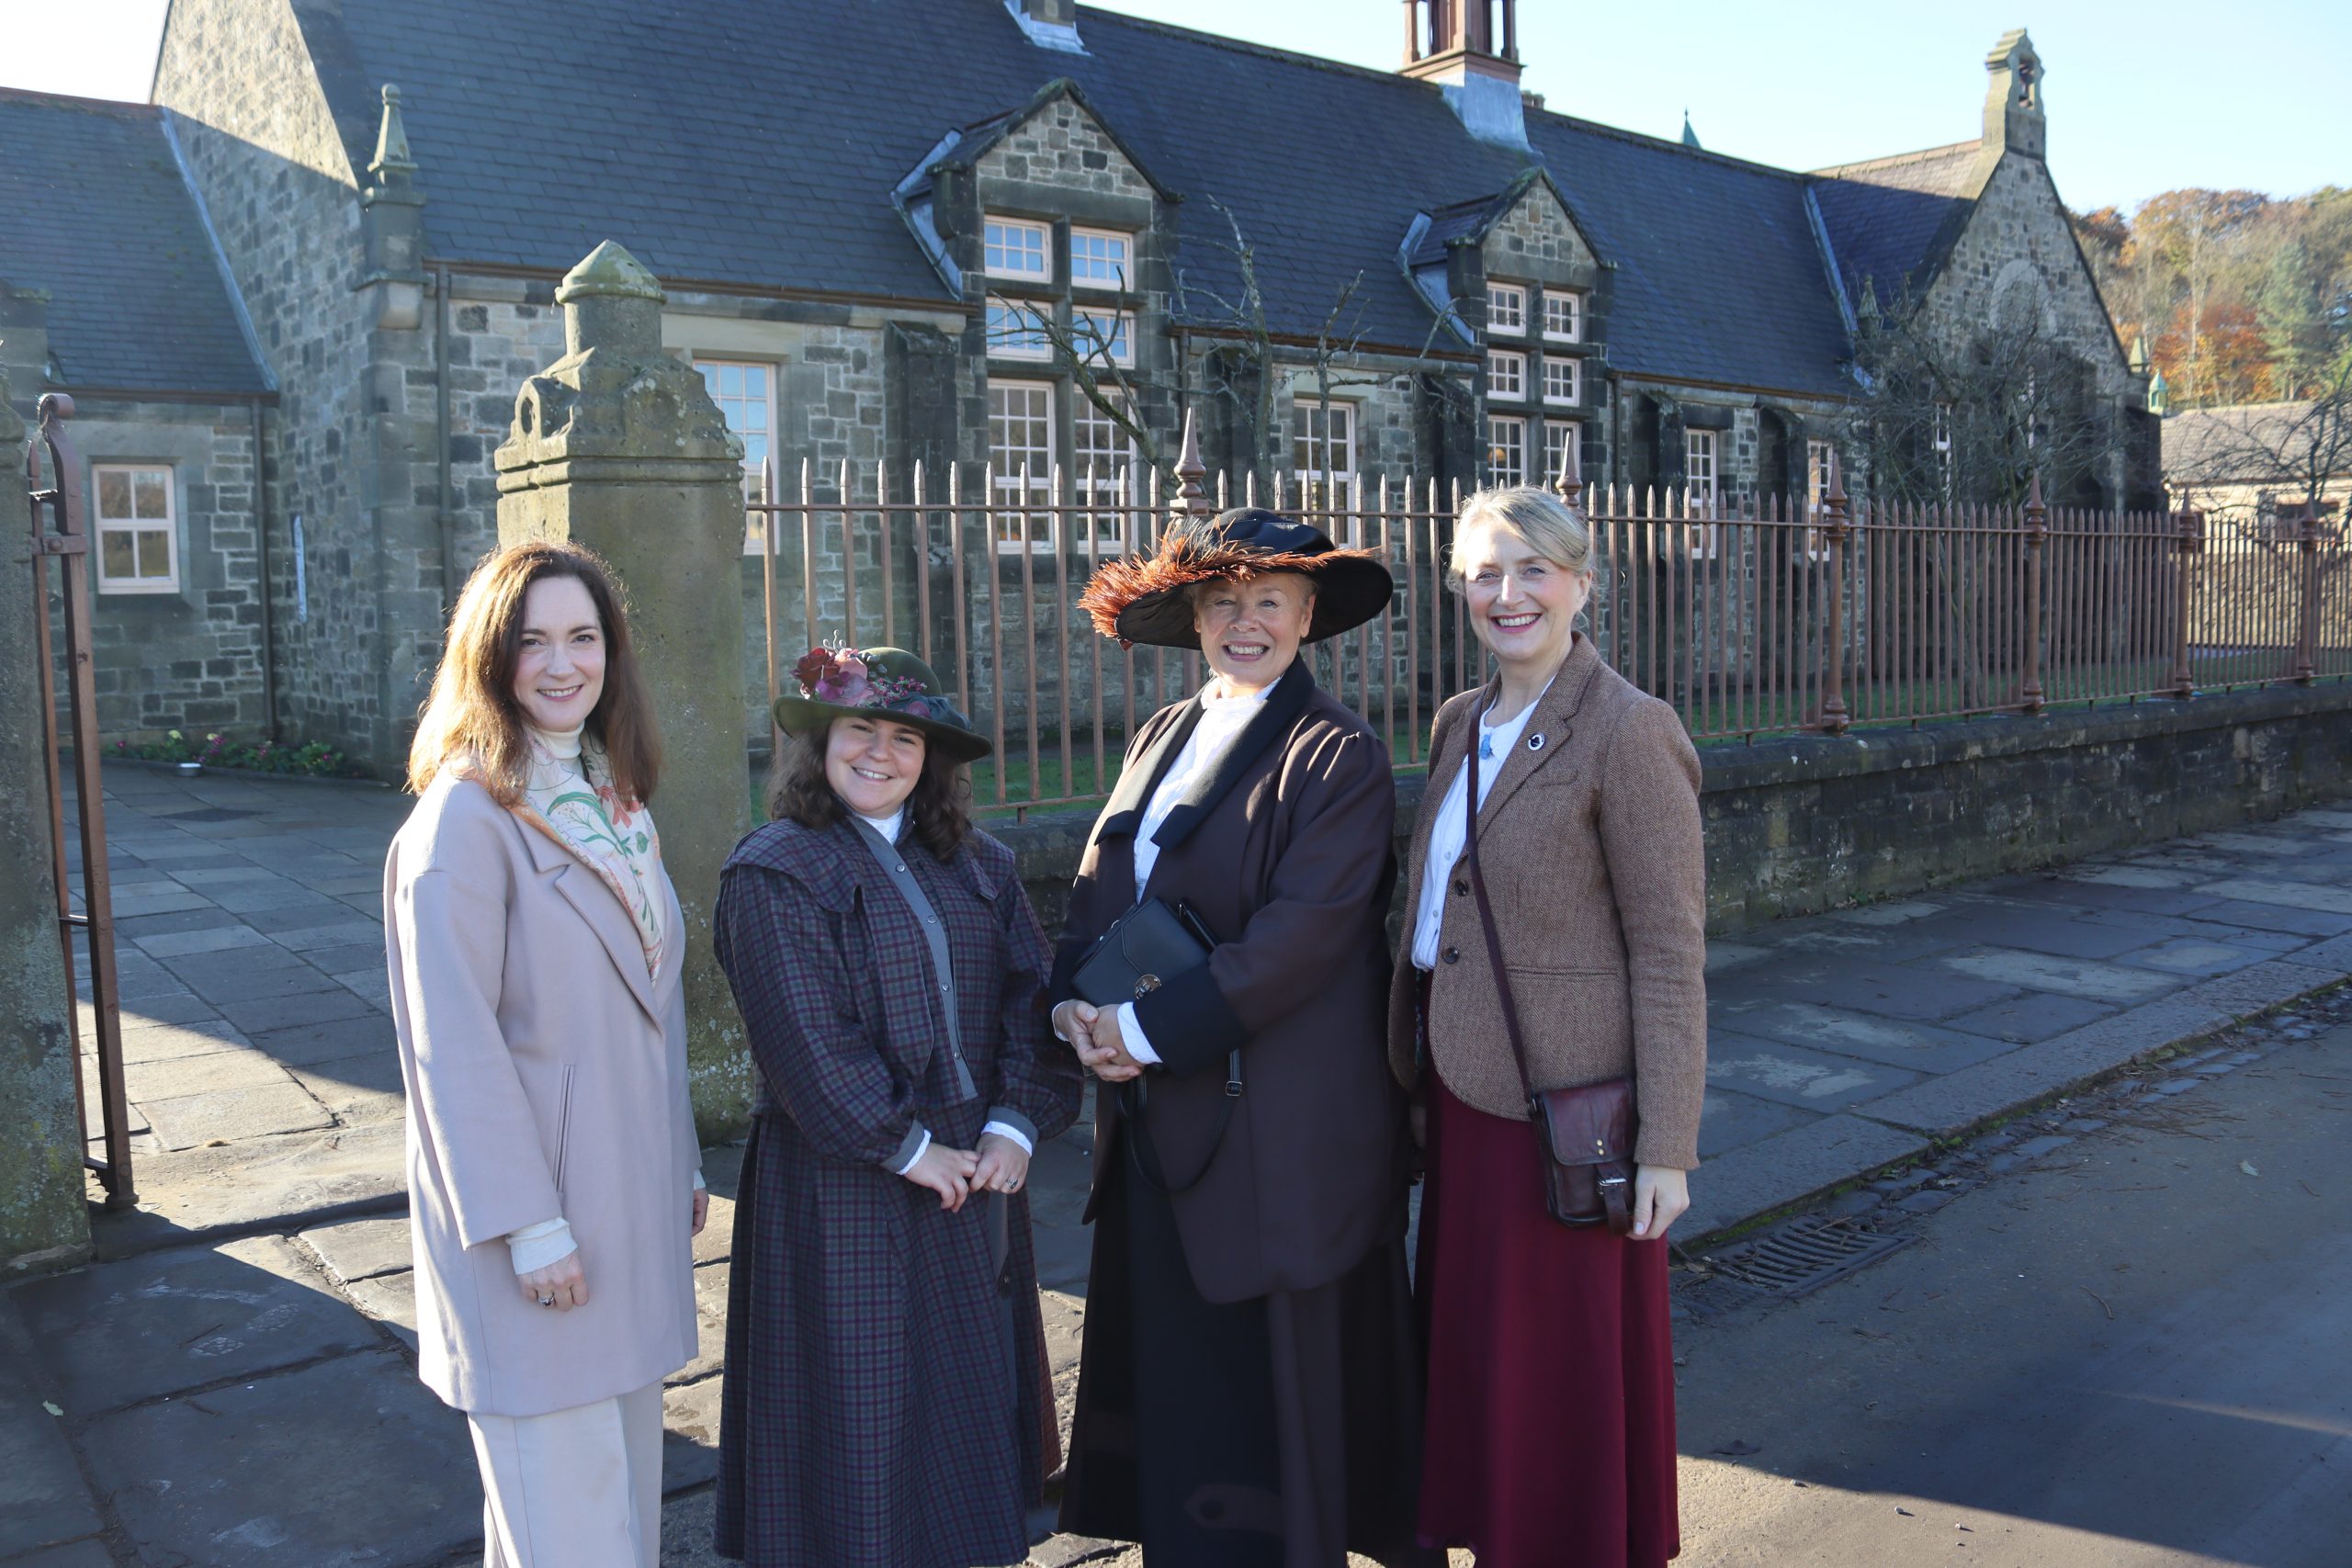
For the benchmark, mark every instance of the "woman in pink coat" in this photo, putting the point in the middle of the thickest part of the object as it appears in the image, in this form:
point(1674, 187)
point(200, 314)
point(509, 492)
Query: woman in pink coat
point(535, 946)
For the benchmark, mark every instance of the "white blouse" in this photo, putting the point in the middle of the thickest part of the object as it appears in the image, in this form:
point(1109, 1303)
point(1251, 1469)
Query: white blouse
point(1451, 833)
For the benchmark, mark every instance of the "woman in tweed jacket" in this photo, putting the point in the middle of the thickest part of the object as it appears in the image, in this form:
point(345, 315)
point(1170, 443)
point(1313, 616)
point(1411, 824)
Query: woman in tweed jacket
point(887, 1404)
point(1549, 1435)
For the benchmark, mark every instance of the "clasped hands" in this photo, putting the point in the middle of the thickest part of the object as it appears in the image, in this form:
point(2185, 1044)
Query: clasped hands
point(999, 1165)
point(1095, 1032)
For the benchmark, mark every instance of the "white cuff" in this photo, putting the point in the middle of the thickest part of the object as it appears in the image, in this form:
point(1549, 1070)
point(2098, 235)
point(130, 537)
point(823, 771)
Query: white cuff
point(1010, 1134)
point(1131, 1035)
point(535, 1247)
point(921, 1148)
point(700, 1185)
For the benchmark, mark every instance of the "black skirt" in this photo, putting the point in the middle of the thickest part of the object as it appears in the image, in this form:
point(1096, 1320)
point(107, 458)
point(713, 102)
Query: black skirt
point(1277, 1432)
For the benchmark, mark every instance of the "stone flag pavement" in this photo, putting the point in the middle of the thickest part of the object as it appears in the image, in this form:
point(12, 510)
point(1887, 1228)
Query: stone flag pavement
point(230, 1383)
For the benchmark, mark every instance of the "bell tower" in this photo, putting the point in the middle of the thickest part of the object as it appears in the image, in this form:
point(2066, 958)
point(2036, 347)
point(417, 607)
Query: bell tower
point(1470, 49)
point(2013, 113)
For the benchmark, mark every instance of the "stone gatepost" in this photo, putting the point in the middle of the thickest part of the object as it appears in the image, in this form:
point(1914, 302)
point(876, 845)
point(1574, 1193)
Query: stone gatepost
point(43, 1208)
point(617, 445)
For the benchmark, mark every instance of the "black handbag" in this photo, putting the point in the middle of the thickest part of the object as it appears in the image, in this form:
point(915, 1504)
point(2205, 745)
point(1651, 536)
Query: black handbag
point(1143, 949)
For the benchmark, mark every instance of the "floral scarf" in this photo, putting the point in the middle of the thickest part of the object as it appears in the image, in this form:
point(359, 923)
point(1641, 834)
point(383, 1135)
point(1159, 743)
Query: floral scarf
point(572, 800)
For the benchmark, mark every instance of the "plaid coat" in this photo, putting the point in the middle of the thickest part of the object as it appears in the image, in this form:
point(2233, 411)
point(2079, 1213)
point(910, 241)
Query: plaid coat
point(886, 1402)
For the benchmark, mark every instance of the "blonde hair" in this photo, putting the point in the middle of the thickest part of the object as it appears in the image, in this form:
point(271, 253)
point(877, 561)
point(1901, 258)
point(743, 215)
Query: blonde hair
point(1536, 517)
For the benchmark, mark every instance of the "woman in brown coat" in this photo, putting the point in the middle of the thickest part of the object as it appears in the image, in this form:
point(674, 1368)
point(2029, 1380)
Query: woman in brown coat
point(535, 946)
point(1549, 1436)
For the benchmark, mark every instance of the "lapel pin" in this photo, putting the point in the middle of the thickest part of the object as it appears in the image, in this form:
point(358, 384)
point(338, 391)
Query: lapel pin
point(1535, 741)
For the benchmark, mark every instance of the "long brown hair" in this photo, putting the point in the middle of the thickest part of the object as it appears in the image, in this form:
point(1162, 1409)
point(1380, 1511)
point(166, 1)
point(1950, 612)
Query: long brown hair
point(800, 792)
point(471, 719)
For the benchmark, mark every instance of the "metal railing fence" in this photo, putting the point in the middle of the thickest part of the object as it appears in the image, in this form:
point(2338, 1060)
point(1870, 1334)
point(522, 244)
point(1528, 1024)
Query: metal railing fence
point(1752, 616)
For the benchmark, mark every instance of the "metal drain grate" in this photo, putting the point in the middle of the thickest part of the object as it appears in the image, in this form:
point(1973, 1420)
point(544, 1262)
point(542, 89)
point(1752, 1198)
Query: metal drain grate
point(1805, 1257)
point(210, 814)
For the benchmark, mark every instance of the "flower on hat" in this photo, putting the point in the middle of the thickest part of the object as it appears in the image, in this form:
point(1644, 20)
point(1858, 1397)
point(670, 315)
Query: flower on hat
point(838, 675)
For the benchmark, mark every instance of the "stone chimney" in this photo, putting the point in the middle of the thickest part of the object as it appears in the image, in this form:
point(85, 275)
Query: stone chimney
point(392, 222)
point(2013, 117)
point(1472, 54)
point(1050, 24)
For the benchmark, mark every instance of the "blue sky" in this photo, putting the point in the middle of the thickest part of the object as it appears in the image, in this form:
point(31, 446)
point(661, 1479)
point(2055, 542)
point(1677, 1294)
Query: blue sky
point(2142, 99)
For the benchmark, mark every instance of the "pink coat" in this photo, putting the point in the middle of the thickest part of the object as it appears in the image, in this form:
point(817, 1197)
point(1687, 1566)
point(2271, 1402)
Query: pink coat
point(545, 1074)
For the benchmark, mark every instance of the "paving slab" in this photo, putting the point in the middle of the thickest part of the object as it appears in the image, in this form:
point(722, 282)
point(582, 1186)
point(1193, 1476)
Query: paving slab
point(2277, 918)
point(391, 1301)
point(1727, 1120)
point(285, 1012)
point(231, 1115)
point(132, 905)
point(357, 1088)
point(290, 978)
point(2037, 1015)
point(2317, 897)
point(1890, 990)
point(2193, 956)
point(335, 1039)
point(361, 1249)
point(282, 1182)
point(80, 1554)
point(1789, 1168)
point(1723, 955)
point(144, 1040)
point(248, 1476)
point(690, 1435)
point(214, 937)
point(123, 1333)
point(181, 1007)
point(1896, 1042)
point(2084, 977)
point(1795, 1075)
point(710, 1321)
point(167, 1079)
point(42, 1499)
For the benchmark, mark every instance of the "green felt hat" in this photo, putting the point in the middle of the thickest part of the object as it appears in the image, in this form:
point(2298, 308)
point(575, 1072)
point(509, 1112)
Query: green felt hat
point(876, 682)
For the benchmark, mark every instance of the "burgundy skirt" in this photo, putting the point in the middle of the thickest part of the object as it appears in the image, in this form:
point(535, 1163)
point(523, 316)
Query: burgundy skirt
point(1549, 1432)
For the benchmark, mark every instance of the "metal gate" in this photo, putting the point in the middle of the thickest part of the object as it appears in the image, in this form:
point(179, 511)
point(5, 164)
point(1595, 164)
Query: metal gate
point(60, 535)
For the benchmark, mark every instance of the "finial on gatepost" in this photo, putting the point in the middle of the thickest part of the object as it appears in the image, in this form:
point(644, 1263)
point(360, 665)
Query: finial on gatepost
point(610, 300)
point(1569, 481)
point(1191, 475)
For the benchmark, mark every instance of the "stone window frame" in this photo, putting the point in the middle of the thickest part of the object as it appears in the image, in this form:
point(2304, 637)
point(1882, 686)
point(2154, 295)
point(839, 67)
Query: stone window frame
point(754, 536)
point(1500, 472)
point(1573, 303)
point(997, 228)
point(1574, 369)
point(1006, 498)
point(1085, 331)
point(1008, 338)
point(103, 527)
point(1123, 279)
point(1558, 433)
point(1507, 374)
point(1505, 308)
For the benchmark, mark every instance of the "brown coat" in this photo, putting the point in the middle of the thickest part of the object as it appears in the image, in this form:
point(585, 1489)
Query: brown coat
point(1286, 850)
point(1591, 848)
point(546, 1073)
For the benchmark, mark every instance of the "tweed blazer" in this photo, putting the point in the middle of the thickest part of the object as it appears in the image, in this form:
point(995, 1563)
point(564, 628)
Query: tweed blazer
point(1590, 844)
point(546, 1073)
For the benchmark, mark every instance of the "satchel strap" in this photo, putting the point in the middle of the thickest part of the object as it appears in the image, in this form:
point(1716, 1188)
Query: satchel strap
point(1487, 920)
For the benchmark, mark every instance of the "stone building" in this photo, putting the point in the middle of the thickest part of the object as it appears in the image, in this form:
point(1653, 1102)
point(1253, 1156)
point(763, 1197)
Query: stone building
point(1018, 239)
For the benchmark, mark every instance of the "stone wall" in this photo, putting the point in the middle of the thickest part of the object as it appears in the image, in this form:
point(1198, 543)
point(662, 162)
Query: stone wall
point(190, 660)
point(270, 164)
point(1798, 826)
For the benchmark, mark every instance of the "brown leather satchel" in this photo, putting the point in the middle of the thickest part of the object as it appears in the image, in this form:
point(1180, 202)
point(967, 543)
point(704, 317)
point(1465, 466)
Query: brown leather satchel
point(1585, 1134)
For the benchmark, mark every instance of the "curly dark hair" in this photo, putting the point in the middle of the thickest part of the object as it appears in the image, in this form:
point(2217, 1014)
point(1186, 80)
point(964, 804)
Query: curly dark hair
point(939, 809)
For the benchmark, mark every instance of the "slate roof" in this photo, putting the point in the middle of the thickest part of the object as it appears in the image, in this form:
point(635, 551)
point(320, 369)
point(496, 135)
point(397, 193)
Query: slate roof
point(756, 143)
point(1891, 219)
point(93, 209)
point(2243, 443)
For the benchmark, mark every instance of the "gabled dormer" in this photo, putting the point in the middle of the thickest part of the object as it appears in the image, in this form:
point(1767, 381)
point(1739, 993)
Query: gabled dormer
point(1523, 241)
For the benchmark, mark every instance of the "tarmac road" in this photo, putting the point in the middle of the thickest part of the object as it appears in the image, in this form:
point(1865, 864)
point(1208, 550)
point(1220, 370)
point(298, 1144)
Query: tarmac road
point(1971, 1401)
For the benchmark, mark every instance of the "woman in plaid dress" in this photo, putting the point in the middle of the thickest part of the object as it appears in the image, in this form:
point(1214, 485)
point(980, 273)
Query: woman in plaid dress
point(886, 1402)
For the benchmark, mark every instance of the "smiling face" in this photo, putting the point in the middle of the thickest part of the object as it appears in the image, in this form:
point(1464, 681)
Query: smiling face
point(1250, 631)
point(1522, 605)
point(873, 764)
point(560, 671)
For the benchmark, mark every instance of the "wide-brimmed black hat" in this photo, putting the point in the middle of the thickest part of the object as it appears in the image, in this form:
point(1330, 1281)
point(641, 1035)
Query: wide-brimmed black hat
point(876, 682)
point(1146, 598)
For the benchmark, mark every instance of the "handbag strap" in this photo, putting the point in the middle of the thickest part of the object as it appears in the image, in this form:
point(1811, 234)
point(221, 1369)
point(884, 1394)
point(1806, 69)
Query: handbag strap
point(1487, 919)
